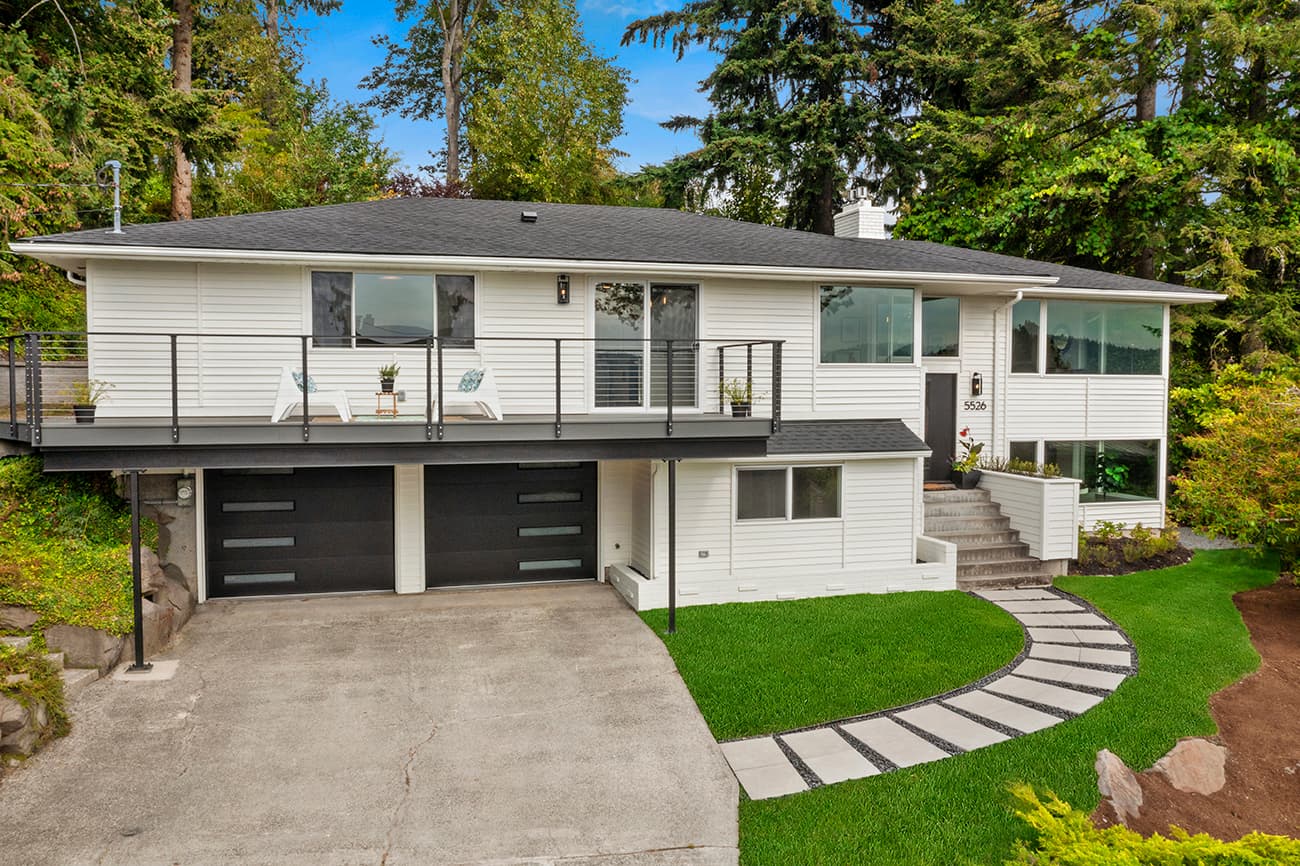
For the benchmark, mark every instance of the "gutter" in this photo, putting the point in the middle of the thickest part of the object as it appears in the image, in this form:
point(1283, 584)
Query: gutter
point(1172, 296)
point(56, 253)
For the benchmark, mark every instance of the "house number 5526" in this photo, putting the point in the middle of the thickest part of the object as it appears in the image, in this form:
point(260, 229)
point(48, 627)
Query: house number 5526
point(975, 405)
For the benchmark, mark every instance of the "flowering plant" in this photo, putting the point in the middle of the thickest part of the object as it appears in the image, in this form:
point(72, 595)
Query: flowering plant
point(971, 449)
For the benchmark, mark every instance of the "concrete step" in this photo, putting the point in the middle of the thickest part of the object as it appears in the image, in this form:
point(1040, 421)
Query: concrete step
point(1002, 581)
point(992, 552)
point(999, 567)
point(940, 525)
point(962, 509)
point(18, 643)
point(975, 495)
point(75, 680)
point(55, 659)
point(969, 539)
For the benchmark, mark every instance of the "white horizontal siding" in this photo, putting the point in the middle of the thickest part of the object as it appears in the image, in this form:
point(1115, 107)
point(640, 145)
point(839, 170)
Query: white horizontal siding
point(1150, 514)
point(871, 391)
point(616, 490)
point(523, 305)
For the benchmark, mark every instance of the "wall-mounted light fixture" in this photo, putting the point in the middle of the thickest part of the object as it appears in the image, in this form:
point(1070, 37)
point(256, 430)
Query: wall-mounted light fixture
point(185, 490)
point(561, 288)
point(976, 384)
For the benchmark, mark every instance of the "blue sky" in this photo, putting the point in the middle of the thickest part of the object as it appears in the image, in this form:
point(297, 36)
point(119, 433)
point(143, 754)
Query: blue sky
point(339, 50)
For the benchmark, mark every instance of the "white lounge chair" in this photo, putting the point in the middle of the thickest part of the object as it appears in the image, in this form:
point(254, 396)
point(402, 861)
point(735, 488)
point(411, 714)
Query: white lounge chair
point(291, 391)
point(480, 397)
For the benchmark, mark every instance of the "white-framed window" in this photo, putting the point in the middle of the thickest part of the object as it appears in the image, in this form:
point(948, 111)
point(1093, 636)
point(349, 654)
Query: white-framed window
point(390, 309)
point(866, 324)
point(789, 492)
point(1097, 338)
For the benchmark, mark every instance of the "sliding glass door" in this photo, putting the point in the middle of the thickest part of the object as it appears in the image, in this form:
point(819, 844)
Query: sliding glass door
point(623, 379)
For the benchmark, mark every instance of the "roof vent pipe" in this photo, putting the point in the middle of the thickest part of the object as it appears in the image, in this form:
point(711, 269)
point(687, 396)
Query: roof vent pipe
point(528, 216)
point(117, 195)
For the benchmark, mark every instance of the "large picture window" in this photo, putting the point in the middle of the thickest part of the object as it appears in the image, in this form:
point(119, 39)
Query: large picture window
point(1110, 470)
point(1104, 339)
point(788, 493)
point(365, 309)
point(1024, 336)
point(866, 325)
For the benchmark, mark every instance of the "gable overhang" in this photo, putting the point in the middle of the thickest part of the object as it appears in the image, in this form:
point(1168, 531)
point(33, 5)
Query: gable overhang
point(73, 257)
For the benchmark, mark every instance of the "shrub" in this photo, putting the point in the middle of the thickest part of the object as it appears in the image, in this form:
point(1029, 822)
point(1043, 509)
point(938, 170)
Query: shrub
point(65, 546)
point(44, 684)
point(1016, 466)
point(1066, 837)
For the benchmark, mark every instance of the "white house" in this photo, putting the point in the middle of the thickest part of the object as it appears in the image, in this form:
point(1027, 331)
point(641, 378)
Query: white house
point(562, 409)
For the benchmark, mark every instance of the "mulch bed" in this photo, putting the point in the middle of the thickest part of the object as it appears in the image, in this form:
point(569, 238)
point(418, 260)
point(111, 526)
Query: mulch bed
point(1177, 556)
point(1259, 724)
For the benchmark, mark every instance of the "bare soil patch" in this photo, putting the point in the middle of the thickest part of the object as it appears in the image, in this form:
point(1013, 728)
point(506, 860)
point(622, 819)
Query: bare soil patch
point(1259, 724)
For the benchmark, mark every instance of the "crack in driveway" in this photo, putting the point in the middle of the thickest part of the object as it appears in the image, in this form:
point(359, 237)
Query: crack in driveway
point(396, 818)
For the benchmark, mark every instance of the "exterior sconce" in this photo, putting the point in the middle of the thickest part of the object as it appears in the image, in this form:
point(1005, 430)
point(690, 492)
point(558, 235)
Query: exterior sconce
point(976, 384)
point(561, 288)
point(185, 490)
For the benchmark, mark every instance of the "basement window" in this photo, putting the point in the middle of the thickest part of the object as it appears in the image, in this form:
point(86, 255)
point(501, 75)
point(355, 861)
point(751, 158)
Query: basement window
point(788, 493)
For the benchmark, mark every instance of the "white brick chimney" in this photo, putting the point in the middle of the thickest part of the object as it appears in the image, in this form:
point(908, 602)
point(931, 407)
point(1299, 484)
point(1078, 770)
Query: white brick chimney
point(861, 219)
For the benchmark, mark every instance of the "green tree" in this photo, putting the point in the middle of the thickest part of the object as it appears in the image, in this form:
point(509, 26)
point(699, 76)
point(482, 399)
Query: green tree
point(542, 123)
point(793, 90)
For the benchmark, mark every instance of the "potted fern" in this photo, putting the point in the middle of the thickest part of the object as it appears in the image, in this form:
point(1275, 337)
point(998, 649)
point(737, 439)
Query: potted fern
point(387, 376)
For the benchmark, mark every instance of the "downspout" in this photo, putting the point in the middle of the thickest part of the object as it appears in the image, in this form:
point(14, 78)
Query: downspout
point(998, 317)
point(79, 282)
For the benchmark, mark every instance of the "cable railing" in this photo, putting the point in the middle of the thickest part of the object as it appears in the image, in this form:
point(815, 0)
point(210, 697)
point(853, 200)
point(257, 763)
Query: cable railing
point(188, 379)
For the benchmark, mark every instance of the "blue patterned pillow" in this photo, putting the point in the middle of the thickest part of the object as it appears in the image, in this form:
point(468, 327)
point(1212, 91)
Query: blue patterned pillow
point(311, 383)
point(470, 381)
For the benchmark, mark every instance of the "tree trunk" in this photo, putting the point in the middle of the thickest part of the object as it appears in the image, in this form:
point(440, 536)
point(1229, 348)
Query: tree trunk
point(273, 22)
point(824, 217)
point(453, 48)
point(1145, 112)
point(182, 80)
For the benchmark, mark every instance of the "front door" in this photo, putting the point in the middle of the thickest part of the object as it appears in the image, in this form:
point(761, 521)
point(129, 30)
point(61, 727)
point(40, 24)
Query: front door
point(940, 424)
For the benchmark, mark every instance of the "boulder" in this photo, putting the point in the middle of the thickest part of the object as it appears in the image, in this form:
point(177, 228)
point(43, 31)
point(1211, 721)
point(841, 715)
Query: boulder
point(13, 716)
point(1118, 785)
point(15, 618)
point(85, 647)
point(152, 577)
point(1195, 766)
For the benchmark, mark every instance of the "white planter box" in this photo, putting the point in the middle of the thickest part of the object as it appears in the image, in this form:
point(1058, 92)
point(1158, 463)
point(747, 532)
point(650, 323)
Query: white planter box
point(1045, 511)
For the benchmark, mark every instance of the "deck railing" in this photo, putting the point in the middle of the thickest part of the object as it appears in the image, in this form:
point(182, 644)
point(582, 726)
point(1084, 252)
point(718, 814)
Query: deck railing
point(182, 379)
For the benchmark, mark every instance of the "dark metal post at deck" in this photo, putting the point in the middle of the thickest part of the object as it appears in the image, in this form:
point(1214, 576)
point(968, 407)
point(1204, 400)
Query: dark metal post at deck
point(440, 401)
point(672, 546)
point(722, 377)
point(428, 388)
point(176, 403)
point(13, 391)
point(34, 377)
point(557, 390)
point(140, 664)
point(776, 387)
point(670, 388)
point(306, 418)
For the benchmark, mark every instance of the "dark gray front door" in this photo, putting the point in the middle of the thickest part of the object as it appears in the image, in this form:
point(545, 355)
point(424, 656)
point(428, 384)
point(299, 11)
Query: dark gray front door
point(940, 424)
point(509, 523)
point(285, 531)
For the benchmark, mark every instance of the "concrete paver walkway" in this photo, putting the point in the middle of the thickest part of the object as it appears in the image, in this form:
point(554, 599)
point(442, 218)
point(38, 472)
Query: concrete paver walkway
point(533, 725)
point(1073, 658)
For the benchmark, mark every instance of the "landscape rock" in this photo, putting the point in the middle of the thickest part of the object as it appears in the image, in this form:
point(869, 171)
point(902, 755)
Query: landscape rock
point(18, 643)
point(1194, 765)
point(13, 716)
point(15, 679)
point(152, 577)
point(16, 618)
point(1118, 785)
point(85, 647)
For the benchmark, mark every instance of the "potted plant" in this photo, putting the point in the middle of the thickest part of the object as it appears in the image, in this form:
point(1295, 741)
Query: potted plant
point(85, 397)
point(965, 469)
point(387, 376)
point(740, 394)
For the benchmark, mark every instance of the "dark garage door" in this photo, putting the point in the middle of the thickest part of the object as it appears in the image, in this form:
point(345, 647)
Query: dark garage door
point(509, 523)
point(278, 531)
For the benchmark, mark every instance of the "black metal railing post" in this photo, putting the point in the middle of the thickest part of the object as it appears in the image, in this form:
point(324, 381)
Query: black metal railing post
point(176, 401)
point(34, 376)
point(440, 400)
point(306, 389)
point(137, 591)
point(558, 400)
point(27, 381)
point(428, 388)
point(13, 389)
point(722, 378)
point(776, 387)
point(672, 546)
point(670, 387)
point(749, 372)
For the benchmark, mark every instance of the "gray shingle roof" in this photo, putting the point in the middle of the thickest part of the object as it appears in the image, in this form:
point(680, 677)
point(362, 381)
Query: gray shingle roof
point(493, 229)
point(844, 437)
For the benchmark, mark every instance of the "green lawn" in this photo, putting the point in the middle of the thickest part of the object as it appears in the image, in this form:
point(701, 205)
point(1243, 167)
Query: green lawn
point(1191, 643)
point(762, 667)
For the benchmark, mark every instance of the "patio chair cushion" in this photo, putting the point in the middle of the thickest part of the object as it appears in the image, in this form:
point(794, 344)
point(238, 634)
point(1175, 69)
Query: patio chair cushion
point(470, 381)
point(311, 383)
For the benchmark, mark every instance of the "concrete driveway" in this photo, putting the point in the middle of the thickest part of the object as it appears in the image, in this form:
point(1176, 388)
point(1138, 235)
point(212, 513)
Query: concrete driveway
point(536, 725)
